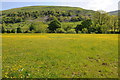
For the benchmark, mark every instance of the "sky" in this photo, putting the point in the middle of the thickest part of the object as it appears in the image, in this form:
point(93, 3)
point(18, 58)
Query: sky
point(106, 5)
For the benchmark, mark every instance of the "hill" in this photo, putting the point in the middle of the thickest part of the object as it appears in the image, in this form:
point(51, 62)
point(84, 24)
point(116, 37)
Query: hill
point(45, 14)
point(41, 8)
point(40, 17)
point(46, 11)
point(114, 12)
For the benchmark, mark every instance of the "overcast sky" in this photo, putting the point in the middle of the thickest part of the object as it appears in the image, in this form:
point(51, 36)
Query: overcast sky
point(106, 5)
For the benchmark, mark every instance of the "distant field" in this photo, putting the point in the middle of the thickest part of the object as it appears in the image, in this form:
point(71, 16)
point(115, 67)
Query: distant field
point(60, 55)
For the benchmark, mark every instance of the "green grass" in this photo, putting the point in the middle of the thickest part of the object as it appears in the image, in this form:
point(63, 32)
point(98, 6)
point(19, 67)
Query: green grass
point(71, 24)
point(60, 55)
point(39, 8)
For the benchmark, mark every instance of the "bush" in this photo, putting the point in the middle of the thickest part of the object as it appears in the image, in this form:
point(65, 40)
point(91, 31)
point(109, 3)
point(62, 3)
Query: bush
point(71, 31)
point(3, 30)
point(78, 28)
point(54, 25)
point(68, 28)
point(85, 30)
point(79, 32)
point(41, 29)
point(27, 31)
point(13, 31)
point(32, 27)
point(8, 31)
point(19, 30)
point(60, 30)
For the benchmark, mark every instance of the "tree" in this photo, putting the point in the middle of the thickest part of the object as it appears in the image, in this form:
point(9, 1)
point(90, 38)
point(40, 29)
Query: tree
point(85, 24)
point(39, 27)
point(114, 23)
point(32, 27)
point(8, 31)
point(54, 25)
point(78, 28)
point(104, 28)
point(101, 20)
point(19, 30)
point(3, 30)
point(13, 31)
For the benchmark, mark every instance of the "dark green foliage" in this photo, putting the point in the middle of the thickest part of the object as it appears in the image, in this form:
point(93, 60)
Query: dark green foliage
point(26, 31)
point(60, 30)
point(85, 25)
point(11, 19)
point(54, 25)
point(8, 31)
point(13, 31)
point(32, 27)
point(78, 28)
point(19, 30)
point(3, 30)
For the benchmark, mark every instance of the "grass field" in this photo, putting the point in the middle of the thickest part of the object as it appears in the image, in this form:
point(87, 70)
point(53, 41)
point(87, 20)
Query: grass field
point(60, 55)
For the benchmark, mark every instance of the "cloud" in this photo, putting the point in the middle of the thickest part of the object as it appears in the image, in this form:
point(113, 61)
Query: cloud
point(103, 4)
point(119, 5)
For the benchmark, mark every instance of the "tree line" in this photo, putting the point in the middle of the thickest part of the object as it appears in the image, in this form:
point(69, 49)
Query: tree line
point(99, 22)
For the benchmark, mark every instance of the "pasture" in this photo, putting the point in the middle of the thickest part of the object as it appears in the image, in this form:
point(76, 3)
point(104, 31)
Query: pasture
point(59, 55)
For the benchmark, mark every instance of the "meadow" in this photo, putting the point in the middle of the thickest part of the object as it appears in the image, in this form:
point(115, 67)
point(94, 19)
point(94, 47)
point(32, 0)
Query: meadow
point(59, 55)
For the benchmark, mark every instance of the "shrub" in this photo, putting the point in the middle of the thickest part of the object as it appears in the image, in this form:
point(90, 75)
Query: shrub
point(68, 28)
point(41, 29)
point(85, 30)
point(3, 30)
point(19, 30)
point(27, 31)
point(60, 30)
point(54, 25)
point(32, 27)
point(79, 32)
point(13, 31)
point(8, 31)
point(71, 31)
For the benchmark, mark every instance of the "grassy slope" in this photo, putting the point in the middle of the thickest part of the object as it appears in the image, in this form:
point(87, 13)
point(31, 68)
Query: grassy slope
point(40, 8)
point(72, 24)
point(60, 55)
point(34, 8)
